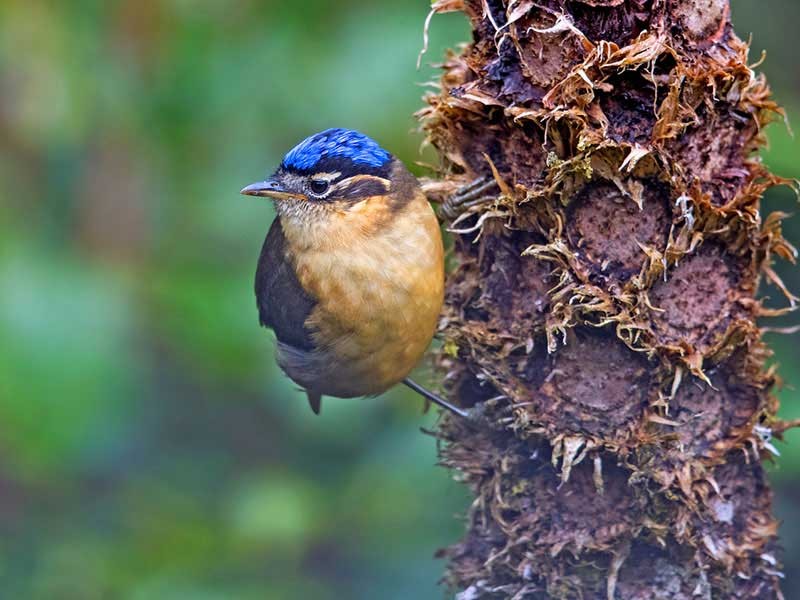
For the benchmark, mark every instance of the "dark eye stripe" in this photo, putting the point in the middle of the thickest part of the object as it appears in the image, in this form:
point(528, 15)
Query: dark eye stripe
point(361, 187)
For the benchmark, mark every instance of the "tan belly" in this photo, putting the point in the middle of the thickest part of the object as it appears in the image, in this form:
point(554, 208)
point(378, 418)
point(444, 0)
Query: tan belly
point(379, 344)
point(379, 297)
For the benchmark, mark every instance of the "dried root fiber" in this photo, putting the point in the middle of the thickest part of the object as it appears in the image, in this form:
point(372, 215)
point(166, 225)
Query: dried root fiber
point(602, 308)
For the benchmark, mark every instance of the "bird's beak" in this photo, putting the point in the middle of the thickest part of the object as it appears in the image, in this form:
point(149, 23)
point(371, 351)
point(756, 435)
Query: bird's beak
point(270, 189)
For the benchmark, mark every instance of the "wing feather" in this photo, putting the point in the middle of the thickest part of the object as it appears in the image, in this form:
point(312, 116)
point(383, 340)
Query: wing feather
point(283, 304)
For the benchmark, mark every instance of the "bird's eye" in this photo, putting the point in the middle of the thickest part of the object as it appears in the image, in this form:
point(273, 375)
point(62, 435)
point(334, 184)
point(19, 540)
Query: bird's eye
point(318, 186)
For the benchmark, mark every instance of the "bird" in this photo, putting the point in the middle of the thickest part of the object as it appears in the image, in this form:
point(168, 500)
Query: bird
point(351, 274)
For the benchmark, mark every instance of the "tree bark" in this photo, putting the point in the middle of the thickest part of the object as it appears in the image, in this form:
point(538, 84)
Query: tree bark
point(602, 311)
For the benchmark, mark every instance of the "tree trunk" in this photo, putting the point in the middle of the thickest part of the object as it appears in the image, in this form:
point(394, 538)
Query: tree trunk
point(602, 310)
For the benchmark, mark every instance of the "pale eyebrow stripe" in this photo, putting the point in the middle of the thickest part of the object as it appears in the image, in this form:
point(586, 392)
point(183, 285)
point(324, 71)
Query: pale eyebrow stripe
point(327, 176)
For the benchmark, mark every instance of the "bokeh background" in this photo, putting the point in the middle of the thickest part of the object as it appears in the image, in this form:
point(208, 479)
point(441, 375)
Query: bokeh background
point(149, 448)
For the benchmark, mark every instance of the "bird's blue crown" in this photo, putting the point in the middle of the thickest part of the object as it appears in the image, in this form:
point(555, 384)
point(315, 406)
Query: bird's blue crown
point(335, 144)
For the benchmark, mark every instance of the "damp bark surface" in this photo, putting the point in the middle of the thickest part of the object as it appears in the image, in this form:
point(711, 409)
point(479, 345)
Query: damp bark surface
point(601, 310)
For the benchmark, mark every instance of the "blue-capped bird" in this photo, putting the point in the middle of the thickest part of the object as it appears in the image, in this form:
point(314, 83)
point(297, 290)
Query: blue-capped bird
point(351, 274)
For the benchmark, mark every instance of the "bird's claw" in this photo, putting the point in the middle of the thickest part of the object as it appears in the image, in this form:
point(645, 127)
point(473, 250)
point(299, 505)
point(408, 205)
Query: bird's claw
point(473, 194)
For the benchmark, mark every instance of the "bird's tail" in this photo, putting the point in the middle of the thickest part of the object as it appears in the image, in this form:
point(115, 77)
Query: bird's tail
point(314, 401)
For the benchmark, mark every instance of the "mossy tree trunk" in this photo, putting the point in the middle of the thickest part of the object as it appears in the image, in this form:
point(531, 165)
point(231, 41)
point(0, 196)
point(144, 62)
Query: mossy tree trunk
point(604, 301)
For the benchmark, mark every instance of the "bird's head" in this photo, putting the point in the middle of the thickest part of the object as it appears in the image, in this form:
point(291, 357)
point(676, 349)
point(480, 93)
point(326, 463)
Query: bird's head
point(330, 171)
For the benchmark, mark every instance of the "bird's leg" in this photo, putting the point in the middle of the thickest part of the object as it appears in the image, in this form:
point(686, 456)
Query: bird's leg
point(472, 415)
point(472, 194)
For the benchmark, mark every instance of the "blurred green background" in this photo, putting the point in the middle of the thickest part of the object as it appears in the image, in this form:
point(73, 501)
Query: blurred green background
point(149, 448)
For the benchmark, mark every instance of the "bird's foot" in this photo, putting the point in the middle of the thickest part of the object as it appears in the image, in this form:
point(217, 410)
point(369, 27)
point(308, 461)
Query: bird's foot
point(474, 193)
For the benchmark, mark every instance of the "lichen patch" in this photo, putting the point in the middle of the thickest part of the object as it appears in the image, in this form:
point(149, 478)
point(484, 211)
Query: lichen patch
point(702, 20)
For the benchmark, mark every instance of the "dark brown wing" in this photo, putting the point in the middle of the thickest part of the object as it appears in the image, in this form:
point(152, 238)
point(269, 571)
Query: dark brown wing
point(283, 304)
